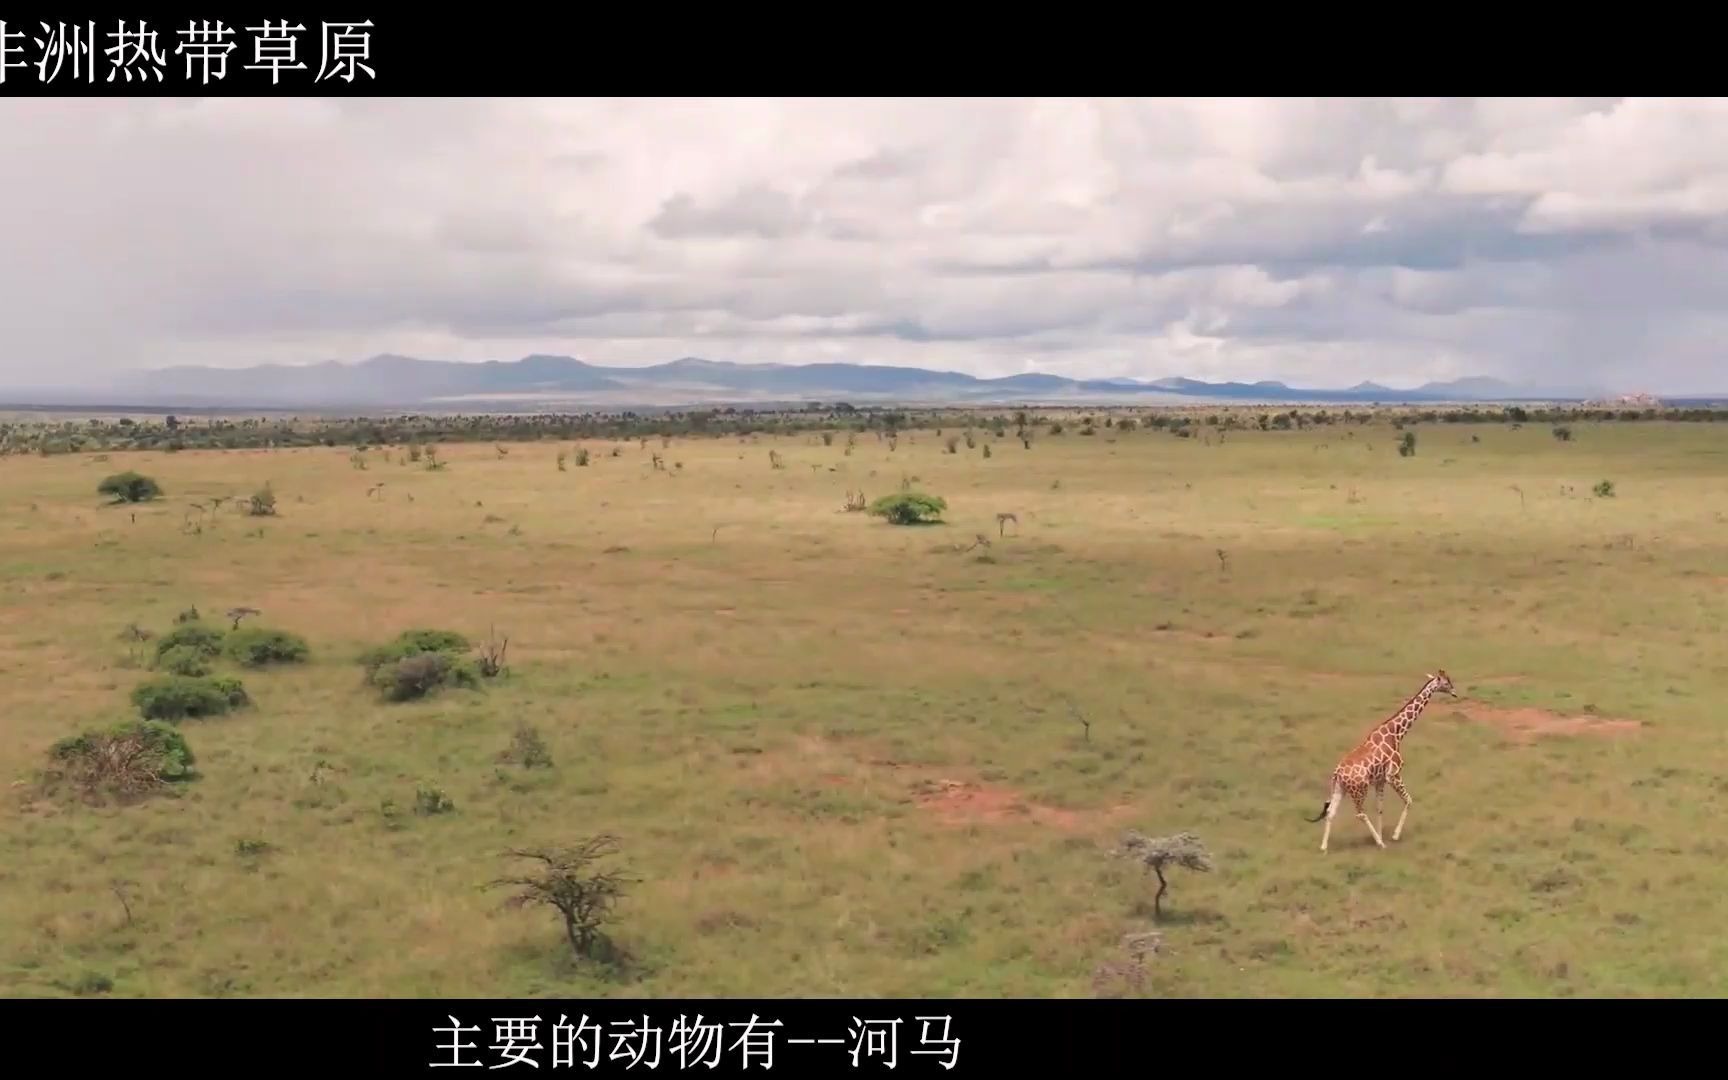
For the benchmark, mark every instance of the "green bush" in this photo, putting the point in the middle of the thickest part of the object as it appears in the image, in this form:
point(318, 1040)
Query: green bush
point(129, 487)
point(413, 677)
point(909, 508)
point(196, 636)
point(131, 758)
point(178, 697)
point(183, 660)
point(412, 643)
point(233, 690)
point(256, 646)
point(429, 799)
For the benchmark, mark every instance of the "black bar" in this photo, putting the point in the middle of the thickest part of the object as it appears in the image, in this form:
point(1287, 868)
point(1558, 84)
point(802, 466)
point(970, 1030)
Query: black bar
point(620, 1037)
point(695, 50)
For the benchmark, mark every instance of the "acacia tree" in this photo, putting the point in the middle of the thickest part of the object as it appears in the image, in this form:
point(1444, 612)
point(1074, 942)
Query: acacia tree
point(583, 898)
point(909, 508)
point(1157, 853)
point(129, 487)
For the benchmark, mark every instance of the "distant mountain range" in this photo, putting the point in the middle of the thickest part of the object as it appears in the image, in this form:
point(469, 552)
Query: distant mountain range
point(536, 383)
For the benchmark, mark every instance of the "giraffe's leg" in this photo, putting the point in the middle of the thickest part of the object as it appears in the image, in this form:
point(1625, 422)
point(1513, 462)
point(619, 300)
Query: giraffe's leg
point(1398, 786)
point(1358, 796)
point(1331, 809)
point(1380, 806)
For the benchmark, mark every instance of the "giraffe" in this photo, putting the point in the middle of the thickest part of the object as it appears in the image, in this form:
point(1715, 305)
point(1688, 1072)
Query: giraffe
point(1377, 760)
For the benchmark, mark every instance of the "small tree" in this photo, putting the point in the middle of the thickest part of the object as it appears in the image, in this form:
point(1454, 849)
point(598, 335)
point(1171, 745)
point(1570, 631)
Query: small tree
point(262, 503)
point(1183, 849)
point(1407, 445)
point(129, 487)
point(909, 508)
point(583, 898)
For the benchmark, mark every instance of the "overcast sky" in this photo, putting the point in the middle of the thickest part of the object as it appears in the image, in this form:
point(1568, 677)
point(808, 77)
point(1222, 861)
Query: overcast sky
point(1318, 242)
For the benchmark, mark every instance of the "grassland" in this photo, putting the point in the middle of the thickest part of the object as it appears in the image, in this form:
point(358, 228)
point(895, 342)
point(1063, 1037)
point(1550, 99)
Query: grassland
point(844, 757)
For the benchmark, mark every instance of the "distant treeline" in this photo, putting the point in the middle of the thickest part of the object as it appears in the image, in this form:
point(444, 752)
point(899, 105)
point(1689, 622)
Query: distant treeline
point(173, 433)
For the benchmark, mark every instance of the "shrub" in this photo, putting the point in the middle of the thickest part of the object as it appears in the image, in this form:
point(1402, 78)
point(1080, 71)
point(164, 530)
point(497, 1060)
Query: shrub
point(412, 643)
point(909, 508)
point(430, 799)
point(183, 660)
point(1563, 433)
point(1605, 489)
point(262, 503)
point(134, 758)
point(1407, 445)
point(257, 646)
point(414, 677)
point(527, 749)
point(129, 487)
point(205, 640)
point(233, 690)
point(177, 697)
point(490, 662)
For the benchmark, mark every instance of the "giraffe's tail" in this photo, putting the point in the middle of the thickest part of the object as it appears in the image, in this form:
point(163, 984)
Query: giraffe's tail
point(1331, 786)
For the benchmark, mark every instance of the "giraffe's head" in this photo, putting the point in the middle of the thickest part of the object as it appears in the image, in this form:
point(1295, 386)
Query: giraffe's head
point(1442, 683)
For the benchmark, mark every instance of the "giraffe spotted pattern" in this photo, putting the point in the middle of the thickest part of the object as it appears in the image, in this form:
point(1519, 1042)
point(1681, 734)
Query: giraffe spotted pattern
point(1376, 761)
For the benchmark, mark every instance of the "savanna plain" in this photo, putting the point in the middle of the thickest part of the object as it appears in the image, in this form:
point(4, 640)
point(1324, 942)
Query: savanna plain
point(843, 756)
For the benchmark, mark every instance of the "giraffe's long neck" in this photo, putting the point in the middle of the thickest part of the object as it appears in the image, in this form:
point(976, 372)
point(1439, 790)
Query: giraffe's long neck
point(1396, 726)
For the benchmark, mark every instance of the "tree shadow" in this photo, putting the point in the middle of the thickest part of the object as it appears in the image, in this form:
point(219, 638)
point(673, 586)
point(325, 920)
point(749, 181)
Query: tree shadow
point(1143, 909)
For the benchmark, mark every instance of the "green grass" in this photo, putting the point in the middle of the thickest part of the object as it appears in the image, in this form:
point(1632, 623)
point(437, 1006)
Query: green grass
point(756, 711)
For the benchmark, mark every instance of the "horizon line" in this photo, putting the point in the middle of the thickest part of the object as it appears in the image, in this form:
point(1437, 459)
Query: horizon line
point(1147, 382)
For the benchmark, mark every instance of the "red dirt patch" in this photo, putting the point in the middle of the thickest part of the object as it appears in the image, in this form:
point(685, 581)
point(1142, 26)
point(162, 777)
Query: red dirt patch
point(956, 802)
point(1529, 724)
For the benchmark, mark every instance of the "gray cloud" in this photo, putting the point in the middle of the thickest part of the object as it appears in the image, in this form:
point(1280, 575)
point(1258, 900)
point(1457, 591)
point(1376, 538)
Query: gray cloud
point(758, 212)
point(1321, 242)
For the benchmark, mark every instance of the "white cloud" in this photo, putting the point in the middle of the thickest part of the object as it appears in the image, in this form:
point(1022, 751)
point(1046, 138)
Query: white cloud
point(1319, 242)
